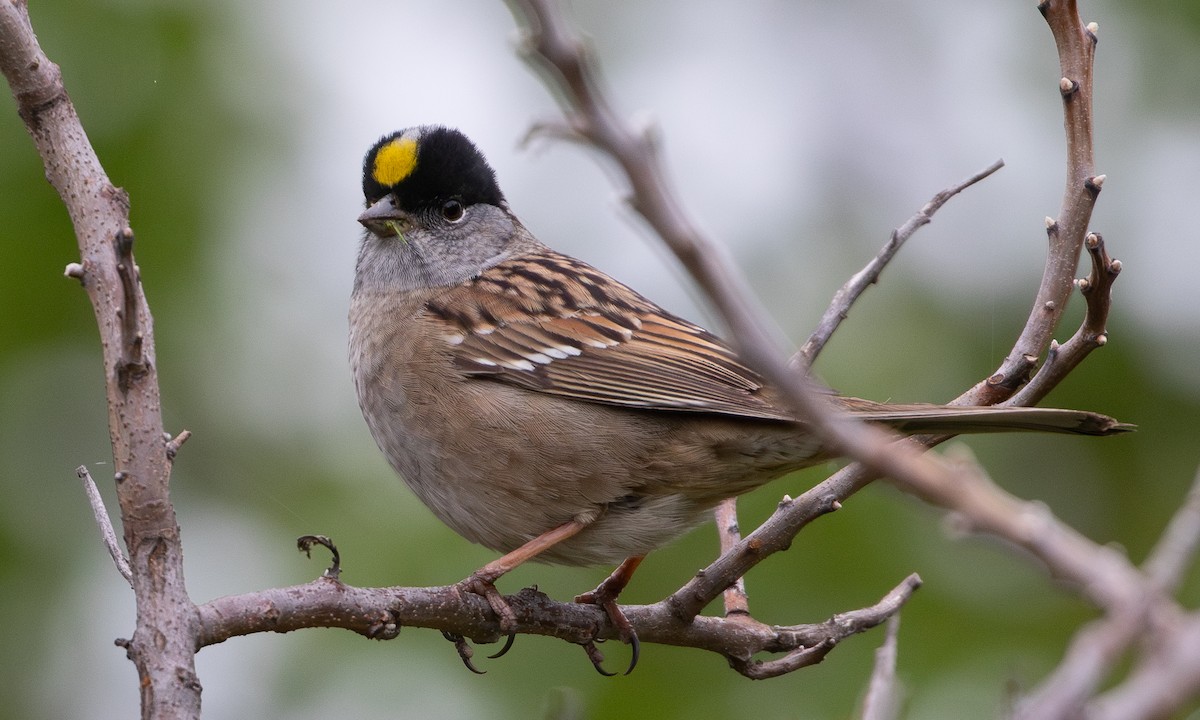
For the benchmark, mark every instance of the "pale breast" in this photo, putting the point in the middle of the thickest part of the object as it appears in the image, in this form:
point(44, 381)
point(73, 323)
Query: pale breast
point(501, 464)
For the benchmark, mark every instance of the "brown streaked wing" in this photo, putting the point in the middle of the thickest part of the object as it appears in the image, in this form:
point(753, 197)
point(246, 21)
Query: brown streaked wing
point(552, 324)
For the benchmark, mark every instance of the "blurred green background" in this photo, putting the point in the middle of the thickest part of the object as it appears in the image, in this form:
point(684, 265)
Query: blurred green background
point(799, 133)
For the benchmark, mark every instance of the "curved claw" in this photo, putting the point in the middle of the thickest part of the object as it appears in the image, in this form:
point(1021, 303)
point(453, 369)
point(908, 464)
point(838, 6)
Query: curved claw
point(512, 636)
point(605, 597)
point(465, 651)
point(597, 658)
point(635, 647)
point(625, 630)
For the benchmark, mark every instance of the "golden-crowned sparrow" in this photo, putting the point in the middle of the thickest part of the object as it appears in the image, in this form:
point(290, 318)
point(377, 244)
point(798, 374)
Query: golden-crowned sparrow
point(543, 409)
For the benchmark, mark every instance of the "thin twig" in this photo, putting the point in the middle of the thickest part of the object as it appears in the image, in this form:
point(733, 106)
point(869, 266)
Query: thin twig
point(1093, 652)
point(737, 602)
point(844, 298)
point(107, 534)
point(1165, 681)
point(1097, 648)
point(1176, 548)
point(882, 701)
point(848, 623)
point(305, 544)
point(772, 536)
point(1093, 330)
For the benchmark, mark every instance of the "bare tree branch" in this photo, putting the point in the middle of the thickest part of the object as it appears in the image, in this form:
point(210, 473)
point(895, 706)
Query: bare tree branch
point(1076, 50)
point(882, 697)
point(1166, 680)
point(1176, 548)
point(848, 294)
point(1096, 648)
point(380, 613)
point(1092, 332)
point(810, 653)
point(1093, 652)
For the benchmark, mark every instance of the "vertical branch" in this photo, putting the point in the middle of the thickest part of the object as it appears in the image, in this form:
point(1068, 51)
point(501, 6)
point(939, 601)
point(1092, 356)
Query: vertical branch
point(163, 643)
point(737, 602)
point(882, 700)
point(1076, 52)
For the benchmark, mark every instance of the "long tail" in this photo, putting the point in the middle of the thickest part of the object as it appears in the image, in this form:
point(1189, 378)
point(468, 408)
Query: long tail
point(912, 419)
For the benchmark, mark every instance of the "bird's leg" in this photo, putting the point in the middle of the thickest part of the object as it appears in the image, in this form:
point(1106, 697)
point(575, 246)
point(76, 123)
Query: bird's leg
point(605, 595)
point(483, 581)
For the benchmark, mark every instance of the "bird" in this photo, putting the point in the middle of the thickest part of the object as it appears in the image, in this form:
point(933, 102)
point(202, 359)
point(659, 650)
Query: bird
point(545, 410)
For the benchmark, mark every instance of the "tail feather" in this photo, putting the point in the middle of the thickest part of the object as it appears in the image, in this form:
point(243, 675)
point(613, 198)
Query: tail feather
point(954, 419)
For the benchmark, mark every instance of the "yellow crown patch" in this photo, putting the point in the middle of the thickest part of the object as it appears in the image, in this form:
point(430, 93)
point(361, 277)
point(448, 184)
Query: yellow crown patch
point(395, 161)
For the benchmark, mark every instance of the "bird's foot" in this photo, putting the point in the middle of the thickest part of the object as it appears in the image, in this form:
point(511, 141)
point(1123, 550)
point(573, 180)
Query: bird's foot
point(478, 583)
point(605, 597)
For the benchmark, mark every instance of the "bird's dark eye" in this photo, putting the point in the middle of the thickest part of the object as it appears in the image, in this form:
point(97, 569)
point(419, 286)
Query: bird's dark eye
point(453, 210)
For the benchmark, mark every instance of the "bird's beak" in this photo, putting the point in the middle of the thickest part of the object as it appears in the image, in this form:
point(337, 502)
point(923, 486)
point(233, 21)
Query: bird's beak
point(384, 218)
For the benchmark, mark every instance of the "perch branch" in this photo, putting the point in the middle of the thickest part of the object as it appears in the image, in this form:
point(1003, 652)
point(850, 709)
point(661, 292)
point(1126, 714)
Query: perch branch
point(380, 613)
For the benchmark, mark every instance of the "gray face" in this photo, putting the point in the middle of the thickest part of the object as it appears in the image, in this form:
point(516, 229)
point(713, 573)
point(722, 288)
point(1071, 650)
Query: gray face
point(431, 250)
